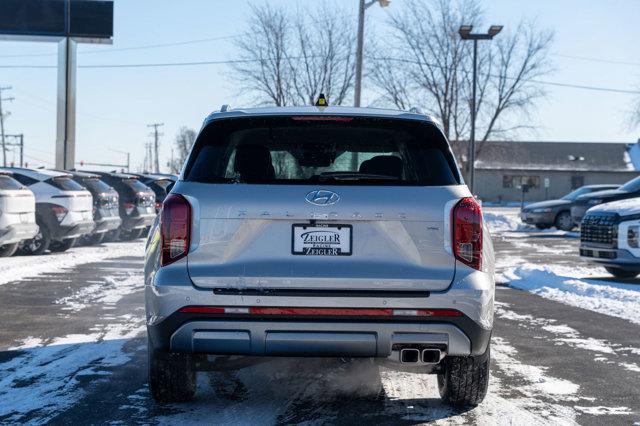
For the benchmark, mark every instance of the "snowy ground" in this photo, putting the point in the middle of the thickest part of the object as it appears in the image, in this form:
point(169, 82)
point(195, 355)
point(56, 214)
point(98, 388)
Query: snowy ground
point(565, 351)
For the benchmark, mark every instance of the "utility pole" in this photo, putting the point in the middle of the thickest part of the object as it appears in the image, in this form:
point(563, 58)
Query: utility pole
point(21, 150)
point(156, 135)
point(2, 115)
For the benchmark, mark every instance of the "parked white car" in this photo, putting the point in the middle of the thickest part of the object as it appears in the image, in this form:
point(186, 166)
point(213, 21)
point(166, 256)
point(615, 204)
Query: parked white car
point(64, 209)
point(610, 236)
point(17, 214)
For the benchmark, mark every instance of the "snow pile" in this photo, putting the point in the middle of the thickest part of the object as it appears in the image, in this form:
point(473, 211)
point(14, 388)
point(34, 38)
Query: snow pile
point(571, 285)
point(501, 220)
point(20, 267)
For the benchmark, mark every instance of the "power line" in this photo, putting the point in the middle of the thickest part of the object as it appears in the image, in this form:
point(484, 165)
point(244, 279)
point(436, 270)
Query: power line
point(604, 61)
point(123, 49)
point(239, 61)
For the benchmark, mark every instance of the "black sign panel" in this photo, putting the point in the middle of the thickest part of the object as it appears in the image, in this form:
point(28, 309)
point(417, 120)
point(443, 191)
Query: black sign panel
point(73, 18)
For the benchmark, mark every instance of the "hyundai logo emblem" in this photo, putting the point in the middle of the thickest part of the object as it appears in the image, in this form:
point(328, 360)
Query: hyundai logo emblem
point(322, 197)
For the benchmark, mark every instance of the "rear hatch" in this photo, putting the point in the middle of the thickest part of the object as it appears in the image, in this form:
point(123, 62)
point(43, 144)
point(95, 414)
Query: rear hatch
point(73, 196)
point(105, 198)
point(143, 197)
point(16, 199)
point(321, 203)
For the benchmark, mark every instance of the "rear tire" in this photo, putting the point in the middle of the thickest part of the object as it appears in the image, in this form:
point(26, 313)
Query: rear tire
point(39, 243)
point(64, 245)
point(172, 376)
point(622, 273)
point(465, 379)
point(8, 250)
point(564, 221)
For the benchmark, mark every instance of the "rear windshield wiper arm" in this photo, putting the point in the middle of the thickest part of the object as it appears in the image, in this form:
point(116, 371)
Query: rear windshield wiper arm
point(354, 176)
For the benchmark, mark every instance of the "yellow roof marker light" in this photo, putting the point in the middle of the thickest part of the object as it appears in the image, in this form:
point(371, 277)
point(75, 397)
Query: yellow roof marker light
point(322, 101)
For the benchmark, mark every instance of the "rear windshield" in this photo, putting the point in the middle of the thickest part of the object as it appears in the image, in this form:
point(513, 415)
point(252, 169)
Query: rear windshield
point(7, 182)
point(65, 183)
point(136, 185)
point(96, 185)
point(306, 150)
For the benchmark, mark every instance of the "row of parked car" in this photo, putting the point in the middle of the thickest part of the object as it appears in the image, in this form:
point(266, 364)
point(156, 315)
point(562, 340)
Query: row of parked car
point(608, 217)
point(54, 210)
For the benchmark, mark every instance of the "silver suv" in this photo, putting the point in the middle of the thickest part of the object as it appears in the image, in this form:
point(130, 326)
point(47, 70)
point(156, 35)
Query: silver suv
point(320, 232)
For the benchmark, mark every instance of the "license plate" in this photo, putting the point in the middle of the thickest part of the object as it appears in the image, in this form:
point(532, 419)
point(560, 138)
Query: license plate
point(24, 217)
point(321, 240)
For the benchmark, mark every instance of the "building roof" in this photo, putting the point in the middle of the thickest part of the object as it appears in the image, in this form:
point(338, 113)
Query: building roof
point(561, 156)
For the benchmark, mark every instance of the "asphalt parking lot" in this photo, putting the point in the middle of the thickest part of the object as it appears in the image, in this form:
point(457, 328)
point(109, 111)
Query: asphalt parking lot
point(73, 350)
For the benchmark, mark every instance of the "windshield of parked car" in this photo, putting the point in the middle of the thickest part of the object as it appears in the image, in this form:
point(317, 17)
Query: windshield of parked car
point(7, 182)
point(312, 149)
point(575, 194)
point(97, 185)
point(631, 186)
point(65, 183)
point(136, 185)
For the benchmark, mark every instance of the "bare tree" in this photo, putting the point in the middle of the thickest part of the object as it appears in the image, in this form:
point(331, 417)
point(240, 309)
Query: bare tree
point(289, 58)
point(183, 143)
point(426, 64)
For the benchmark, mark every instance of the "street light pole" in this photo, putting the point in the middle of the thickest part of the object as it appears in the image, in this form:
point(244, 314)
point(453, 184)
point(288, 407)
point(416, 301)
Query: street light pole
point(465, 34)
point(472, 144)
point(360, 46)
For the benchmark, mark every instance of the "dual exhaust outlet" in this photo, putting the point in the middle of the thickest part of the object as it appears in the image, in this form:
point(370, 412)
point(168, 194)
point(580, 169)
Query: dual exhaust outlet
point(415, 355)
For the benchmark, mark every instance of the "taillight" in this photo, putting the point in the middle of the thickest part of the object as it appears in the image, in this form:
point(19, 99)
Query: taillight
point(60, 212)
point(128, 207)
point(467, 232)
point(175, 228)
point(158, 205)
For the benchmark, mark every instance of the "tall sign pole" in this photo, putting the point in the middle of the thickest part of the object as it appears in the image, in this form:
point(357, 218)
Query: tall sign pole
point(66, 111)
point(66, 22)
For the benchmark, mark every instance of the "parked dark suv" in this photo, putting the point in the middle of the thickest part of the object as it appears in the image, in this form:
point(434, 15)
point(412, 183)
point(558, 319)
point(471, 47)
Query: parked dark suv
point(106, 213)
point(630, 189)
point(137, 204)
point(159, 183)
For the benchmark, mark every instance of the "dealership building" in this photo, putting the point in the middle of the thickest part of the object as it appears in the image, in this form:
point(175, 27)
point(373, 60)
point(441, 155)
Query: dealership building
point(550, 169)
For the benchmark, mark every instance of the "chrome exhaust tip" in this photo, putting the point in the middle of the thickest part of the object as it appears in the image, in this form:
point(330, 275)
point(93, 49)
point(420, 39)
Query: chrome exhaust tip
point(431, 356)
point(409, 356)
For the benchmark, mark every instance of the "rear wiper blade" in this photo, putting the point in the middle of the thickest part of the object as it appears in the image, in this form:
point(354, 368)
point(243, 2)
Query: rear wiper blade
point(354, 176)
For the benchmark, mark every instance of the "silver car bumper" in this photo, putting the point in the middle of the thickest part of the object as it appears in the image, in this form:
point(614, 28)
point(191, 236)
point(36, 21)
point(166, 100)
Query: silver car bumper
point(274, 338)
point(18, 232)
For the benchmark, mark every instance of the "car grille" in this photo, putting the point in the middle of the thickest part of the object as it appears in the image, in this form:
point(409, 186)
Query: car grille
point(599, 230)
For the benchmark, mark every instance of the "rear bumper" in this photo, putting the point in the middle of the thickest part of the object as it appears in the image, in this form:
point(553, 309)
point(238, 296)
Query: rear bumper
point(106, 224)
point(138, 222)
point(379, 339)
point(610, 257)
point(73, 231)
point(169, 289)
point(18, 232)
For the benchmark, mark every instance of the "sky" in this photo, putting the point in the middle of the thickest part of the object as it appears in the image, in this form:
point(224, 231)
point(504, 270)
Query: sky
point(115, 105)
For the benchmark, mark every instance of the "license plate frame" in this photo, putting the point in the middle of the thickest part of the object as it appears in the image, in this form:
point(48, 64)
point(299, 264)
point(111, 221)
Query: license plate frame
point(325, 243)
